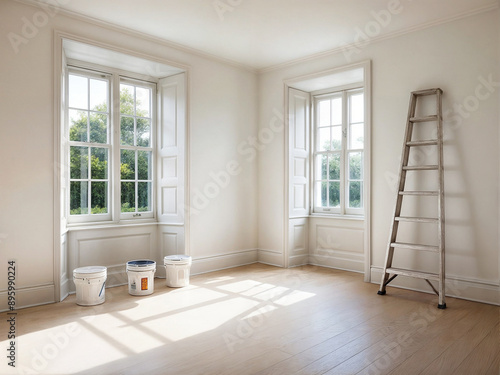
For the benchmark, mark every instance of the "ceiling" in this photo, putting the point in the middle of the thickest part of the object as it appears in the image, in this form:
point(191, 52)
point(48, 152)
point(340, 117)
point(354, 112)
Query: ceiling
point(264, 33)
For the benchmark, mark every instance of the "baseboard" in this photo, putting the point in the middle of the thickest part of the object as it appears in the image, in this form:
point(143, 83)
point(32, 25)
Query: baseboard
point(222, 261)
point(345, 262)
point(30, 296)
point(270, 257)
point(476, 290)
point(65, 289)
point(298, 260)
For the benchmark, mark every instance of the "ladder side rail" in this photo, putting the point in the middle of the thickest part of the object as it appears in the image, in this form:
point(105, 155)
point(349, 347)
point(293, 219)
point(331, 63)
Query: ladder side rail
point(399, 200)
point(441, 212)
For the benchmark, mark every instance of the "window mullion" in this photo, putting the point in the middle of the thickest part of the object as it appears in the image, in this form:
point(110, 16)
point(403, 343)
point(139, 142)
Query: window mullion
point(136, 181)
point(343, 155)
point(115, 141)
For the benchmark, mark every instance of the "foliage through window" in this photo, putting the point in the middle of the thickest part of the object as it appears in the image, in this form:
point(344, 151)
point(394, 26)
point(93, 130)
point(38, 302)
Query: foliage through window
point(338, 152)
point(92, 153)
point(135, 148)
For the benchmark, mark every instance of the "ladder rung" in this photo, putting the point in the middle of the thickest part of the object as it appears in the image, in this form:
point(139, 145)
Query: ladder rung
point(417, 274)
point(424, 193)
point(417, 219)
point(427, 92)
point(424, 118)
point(411, 246)
point(429, 142)
point(420, 167)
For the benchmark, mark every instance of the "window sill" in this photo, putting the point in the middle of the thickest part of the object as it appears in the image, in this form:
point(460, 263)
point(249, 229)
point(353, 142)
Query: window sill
point(111, 224)
point(337, 216)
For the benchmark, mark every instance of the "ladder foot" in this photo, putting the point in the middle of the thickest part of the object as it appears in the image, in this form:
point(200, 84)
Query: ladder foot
point(442, 307)
point(381, 293)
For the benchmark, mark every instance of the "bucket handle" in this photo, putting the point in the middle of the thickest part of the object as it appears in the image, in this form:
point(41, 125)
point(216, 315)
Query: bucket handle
point(102, 288)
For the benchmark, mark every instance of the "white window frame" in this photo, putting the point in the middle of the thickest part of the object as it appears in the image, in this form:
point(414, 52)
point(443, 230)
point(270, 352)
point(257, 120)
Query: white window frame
point(152, 148)
point(115, 77)
point(345, 93)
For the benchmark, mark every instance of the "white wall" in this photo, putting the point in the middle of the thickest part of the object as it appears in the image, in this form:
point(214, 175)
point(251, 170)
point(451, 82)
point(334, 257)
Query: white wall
point(222, 110)
point(452, 56)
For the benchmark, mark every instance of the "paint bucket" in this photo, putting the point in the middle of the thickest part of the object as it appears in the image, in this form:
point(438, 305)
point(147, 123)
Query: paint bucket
point(141, 275)
point(90, 285)
point(177, 270)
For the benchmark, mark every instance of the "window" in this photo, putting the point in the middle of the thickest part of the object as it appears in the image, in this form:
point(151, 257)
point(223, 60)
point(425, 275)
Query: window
point(89, 145)
point(135, 149)
point(110, 167)
point(338, 152)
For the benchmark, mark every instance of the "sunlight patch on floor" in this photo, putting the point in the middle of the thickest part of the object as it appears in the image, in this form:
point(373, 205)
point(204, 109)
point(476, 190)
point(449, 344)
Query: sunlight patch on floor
point(293, 297)
point(198, 320)
point(57, 349)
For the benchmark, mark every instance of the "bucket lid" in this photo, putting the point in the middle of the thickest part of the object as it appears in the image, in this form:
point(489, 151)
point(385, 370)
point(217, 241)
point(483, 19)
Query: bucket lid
point(141, 265)
point(89, 272)
point(177, 259)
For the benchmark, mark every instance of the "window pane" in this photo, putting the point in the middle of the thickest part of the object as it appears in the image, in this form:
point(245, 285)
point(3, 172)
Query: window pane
point(78, 198)
point(144, 196)
point(321, 193)
point(323, 139)
point(143, 102)
point(98, 128)
point(127, 131)
point(127, 169)
point(324, 113)
point(127, 99)
point(99, 197)
point(128, 196)
point(144, 165)
point(99, 163)
point(77, 125)
point(98, 95)
point(355, 193)
point(79, 162)
point(357, 108)
point(355, 166)
point(334, 167)
point(334, 194)
point(337, 111)
point(356, 136)
point(78, 92)
point(337, 138)
point(321, 167)
point(143, 132)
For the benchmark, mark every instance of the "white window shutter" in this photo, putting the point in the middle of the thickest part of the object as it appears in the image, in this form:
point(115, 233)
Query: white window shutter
point(171, 138)
point(299, 144)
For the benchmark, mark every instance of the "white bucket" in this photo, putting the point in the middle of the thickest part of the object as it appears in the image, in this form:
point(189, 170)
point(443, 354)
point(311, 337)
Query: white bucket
point(141, 275)
point(90, 283)
point(177, 270)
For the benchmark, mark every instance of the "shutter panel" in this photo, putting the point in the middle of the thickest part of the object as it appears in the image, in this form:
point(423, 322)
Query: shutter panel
point(171, 143)
point(299, 144)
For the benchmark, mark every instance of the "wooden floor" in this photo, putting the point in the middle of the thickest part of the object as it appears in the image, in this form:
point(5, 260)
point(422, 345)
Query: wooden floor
point(259, 319)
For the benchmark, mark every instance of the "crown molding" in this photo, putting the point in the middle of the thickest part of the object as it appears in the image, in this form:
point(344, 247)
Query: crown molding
point(248, 68)
point(138, 34)
point(380, 38)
